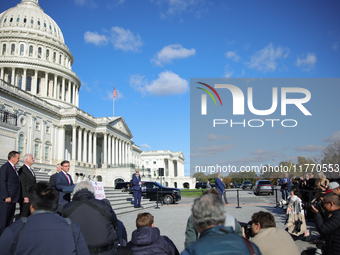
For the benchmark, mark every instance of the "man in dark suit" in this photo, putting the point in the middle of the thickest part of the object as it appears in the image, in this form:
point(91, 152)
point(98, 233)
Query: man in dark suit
point(219, 185)
point(137, 192)
point(63, 180)
point(27, 179)
point(9, 189)
point(52, 178)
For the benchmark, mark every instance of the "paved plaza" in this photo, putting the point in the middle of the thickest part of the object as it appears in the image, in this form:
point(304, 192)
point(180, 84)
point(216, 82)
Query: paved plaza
point(172, 219)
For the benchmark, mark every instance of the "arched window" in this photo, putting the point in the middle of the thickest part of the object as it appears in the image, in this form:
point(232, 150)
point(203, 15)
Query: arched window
point(54, 57)
point(18, 19)
point(4, 49)
point(21, 144)
point(12, 49)
point(19, 81)
point(36, 150)
point(22, 48)
point(38, 85)
point(47, 54)
point(32, 21)
point(38, 22)
point(10, 79)
point(39, 52)
point(25, 20)
point(59, 59)
point(28, 83)
point(31, 51)
point(47, 152)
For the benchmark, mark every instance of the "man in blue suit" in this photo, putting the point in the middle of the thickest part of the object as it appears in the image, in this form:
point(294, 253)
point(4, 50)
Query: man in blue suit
point(9, 189)
point(137, 192)
point(218, 184)
point(63, 180)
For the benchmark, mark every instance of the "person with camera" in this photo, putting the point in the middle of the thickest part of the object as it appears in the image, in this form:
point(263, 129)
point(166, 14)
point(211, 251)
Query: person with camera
point(329, 227)
point(268, 237)
point(333, 187)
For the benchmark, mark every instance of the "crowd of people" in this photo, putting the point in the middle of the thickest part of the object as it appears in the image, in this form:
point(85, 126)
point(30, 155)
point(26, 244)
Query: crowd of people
point(50, 223)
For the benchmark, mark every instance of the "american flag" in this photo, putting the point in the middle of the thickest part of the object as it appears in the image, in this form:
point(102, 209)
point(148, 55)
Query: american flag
point(114, 91)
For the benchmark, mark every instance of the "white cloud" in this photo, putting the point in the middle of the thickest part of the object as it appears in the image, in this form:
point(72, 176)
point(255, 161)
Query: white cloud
point(228, 73)
point(121, 39)
point(86, 2)
point(168, 83)
point(144, 145)
point(265, 60)
point(232, 55)
point(215, 149)
point(170, 52)
point(310, 148)
point(333, 137)
point(259, 151)
point(125, 39)
point(306, 63)
point(95, 38)
point(212, 137)
point(176, 7)
point(335, 46)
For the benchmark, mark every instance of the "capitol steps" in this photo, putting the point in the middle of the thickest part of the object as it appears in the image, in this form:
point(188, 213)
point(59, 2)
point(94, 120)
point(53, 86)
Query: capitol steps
point(121, 202)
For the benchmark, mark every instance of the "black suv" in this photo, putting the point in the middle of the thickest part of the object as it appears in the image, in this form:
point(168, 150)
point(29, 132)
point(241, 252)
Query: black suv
point(247, 184)
point(168, 195)
point(203, 185)
point(149, 190)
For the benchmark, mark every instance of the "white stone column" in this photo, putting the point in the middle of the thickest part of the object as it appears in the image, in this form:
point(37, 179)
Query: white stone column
point(109, 150)
point(77, 96)
point(61, 140)
point(74, 142)
point(113, 151)
point(55, 142)
point(171, 168)
point(55, 86)
point(69, 92)
point(90, 147)
point(73, 93)
point(85, 145)
point(116, 152)
point(3, 73)
point(79, 143)
point(120, 152)
point(24, 80)
point(34, 83)
point(95, 149)
point(13, 76)
point(124, 152)
point(63, 89)
point(105, 149)
point(44, 89)
point(42, 130)
point(130, 161)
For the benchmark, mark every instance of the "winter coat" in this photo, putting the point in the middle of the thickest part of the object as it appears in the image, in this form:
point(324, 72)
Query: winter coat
point(147, 240)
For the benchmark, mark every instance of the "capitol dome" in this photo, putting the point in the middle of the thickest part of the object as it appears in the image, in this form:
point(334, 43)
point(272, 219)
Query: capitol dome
point(34, 57)
point(28, 15)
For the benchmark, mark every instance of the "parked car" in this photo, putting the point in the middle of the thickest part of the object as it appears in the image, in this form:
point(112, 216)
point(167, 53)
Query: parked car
point(121, 185)
point(263, 186)
point(165, 194)
point(203, 185)
point(247, 184)
point(149, 191)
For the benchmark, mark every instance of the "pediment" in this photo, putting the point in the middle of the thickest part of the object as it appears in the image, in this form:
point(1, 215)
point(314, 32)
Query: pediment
point(119, 124)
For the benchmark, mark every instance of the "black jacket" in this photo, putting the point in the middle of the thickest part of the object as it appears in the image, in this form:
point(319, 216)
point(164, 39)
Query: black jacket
point(98, 231)
point(147, 240)
point(330, 228)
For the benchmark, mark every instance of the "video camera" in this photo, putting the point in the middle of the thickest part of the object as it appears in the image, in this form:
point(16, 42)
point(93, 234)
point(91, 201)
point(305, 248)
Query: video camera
point(247, 229)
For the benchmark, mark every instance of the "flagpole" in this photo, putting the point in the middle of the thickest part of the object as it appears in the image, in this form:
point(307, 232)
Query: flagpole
point(113, 99)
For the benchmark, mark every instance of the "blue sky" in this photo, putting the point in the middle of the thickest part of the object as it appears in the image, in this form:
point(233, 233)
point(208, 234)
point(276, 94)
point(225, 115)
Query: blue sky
point(151, 48)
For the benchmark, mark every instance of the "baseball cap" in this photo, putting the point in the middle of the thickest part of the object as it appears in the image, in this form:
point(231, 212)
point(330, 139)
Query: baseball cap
point(331, 186)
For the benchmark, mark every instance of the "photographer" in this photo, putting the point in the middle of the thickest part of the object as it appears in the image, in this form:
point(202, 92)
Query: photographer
point(329, 227)
point(270, 239)
point(333, 187)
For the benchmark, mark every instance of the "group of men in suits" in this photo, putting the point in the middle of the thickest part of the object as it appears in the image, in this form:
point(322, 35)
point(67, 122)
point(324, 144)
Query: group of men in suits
point(15, 184)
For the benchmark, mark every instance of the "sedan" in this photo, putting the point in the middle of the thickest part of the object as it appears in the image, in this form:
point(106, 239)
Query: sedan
point(263, 186)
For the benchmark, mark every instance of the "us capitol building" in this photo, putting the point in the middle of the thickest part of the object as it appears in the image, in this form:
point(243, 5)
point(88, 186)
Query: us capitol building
point(39, 100)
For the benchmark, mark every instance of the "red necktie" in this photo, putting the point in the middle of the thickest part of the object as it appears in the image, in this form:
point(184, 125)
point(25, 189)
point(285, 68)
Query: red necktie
point(15, 169)
point(68, 179)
